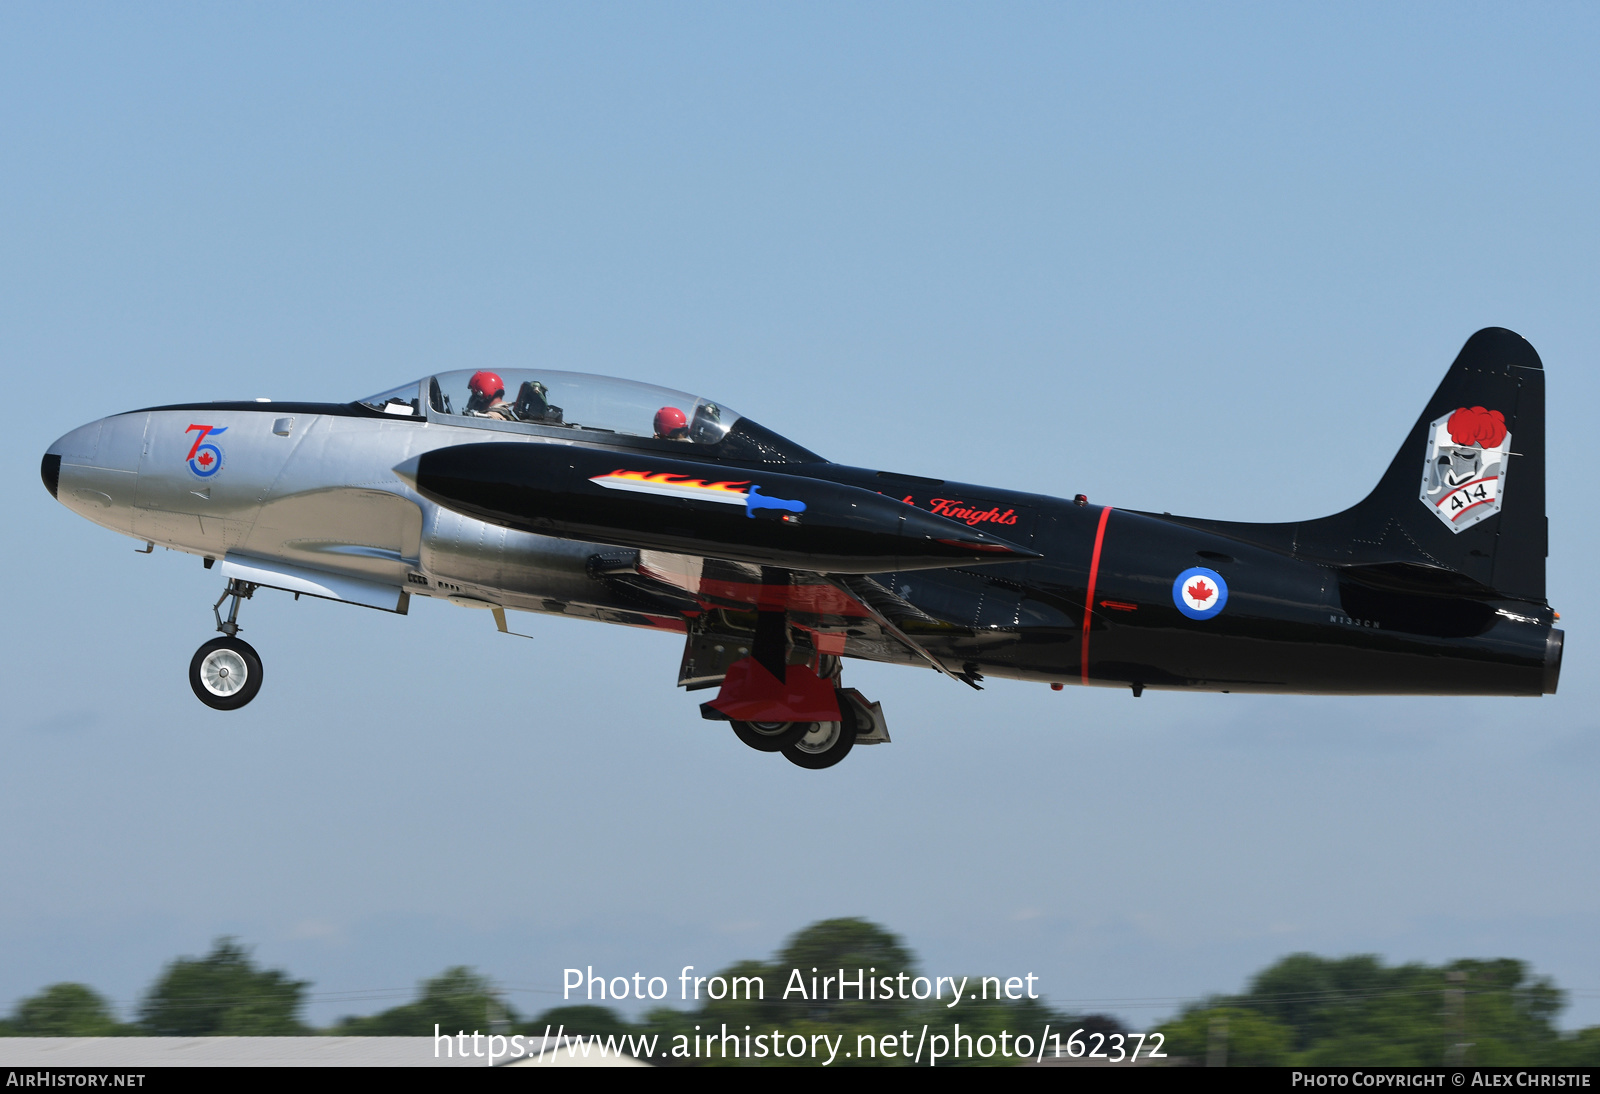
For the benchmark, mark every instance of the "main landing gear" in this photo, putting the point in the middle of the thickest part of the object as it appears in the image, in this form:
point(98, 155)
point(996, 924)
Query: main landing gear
point(814, 745)
point(770, 736)
point(824, 744)
point(226, 672)
point(797, 709)
point(809, 744)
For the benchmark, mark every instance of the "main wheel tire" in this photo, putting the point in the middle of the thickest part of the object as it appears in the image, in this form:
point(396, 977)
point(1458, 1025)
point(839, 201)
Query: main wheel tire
point(771, 736)
point(225, 673)
point(825, 744)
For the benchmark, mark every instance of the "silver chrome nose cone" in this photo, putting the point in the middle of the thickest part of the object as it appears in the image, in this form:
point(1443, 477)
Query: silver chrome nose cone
point(82, 445)
point(94, 470)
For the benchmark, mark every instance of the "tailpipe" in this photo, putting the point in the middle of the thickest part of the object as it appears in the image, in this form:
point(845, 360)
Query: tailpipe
point(1552, 659)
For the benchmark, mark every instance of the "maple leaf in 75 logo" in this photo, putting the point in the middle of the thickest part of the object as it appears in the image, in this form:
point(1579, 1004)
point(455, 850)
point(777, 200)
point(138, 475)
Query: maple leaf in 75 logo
point(1200, 591)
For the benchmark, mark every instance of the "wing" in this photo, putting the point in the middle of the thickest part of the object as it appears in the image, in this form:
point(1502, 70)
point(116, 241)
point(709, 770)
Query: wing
point(842, 614)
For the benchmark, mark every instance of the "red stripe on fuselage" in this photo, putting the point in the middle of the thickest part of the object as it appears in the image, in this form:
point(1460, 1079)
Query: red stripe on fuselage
point(1088, 600)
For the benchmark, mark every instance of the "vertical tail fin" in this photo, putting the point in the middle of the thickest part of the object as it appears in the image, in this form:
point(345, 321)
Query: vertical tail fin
point(1466, 490)
point(1461, 507)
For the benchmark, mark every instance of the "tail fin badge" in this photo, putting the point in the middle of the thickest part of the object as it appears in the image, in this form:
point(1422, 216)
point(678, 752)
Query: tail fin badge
point(1464, 476)
point(1200, 593)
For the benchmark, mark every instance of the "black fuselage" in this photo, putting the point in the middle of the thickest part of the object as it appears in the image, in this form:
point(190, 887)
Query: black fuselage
point(1290, 625)
point(1099, 604)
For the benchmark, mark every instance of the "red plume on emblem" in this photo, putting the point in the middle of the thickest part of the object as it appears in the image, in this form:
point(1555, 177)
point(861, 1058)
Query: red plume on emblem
point(1475, 425)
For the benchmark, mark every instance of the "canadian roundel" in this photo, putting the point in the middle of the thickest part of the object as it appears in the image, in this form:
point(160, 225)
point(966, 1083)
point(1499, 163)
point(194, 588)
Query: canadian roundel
point(1200, 593)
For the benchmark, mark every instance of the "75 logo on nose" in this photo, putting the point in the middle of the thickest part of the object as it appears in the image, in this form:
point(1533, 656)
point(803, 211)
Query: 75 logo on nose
point(204, 458)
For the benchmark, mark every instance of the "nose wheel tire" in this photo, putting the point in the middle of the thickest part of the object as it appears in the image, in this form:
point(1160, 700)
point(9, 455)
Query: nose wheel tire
point(225, 673)
point(824, 743)
point(771, 736)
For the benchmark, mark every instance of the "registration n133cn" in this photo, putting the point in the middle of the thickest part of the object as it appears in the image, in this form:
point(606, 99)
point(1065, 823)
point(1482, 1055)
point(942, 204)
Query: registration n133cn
point(531, 490)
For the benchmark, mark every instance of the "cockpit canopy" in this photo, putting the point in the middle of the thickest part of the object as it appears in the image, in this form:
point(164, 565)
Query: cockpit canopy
point(589, 407)
point(578, 401)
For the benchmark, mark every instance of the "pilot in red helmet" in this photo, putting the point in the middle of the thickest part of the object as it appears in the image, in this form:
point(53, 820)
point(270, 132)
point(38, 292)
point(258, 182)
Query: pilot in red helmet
point(488, 398)
point(671, 424)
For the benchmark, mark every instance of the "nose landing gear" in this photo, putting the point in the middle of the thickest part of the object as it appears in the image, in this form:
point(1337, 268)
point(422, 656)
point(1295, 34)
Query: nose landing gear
point(225, 673)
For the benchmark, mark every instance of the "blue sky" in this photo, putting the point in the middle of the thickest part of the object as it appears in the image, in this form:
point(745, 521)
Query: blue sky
point(1198, 259)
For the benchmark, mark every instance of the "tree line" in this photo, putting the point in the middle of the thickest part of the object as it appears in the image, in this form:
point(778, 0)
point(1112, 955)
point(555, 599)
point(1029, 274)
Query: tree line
point(1304, 1009)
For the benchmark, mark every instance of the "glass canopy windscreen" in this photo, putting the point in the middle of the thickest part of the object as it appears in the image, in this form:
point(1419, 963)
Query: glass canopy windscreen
point(401, 401)
point(575, 400)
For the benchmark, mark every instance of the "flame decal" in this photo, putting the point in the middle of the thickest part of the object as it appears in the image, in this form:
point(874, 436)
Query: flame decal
point(675, 486)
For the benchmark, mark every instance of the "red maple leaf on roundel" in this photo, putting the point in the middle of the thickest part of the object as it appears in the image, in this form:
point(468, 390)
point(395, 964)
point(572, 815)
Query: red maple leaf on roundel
point(1200, 591)
point(204, 459)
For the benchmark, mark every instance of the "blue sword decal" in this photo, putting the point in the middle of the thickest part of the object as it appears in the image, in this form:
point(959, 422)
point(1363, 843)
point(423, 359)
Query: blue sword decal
point(755, 499)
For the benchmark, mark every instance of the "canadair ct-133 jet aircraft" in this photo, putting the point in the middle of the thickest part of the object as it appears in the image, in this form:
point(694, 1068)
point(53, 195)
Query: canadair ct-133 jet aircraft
point(541, 491)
